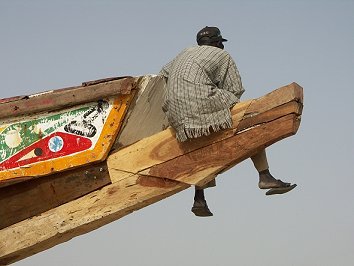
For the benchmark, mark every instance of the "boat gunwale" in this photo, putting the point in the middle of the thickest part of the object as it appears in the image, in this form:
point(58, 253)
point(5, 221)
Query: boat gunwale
point(66, 97)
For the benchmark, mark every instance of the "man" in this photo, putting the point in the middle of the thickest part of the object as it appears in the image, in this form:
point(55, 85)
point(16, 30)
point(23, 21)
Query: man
point(203, 84)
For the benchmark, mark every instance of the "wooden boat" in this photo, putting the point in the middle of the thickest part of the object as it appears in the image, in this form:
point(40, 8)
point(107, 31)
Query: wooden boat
point(75, 159)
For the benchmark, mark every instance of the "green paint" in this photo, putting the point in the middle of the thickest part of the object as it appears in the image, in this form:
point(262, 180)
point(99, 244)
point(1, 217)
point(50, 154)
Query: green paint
point(32, 130)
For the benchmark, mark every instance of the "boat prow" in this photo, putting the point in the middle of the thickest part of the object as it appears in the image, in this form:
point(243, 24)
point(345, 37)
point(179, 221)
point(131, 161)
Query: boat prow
point(130, 160)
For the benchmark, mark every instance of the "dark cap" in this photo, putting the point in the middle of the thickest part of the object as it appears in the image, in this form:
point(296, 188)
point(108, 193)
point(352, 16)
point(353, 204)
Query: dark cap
point(209, 34)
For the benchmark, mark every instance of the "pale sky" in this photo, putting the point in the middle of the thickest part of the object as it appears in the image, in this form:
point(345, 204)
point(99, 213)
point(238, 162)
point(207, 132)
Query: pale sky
point(48, 45)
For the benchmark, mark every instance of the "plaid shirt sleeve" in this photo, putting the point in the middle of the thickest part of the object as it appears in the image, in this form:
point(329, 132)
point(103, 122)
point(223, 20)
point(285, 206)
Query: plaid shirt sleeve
point(165, 71)
point(229, 77)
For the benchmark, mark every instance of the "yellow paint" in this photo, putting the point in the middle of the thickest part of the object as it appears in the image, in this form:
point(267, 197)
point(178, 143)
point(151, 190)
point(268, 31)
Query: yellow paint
point(98, 153)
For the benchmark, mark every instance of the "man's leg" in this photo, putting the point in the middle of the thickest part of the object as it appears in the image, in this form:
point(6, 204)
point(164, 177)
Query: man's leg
point(266, 180)
point(200, 206)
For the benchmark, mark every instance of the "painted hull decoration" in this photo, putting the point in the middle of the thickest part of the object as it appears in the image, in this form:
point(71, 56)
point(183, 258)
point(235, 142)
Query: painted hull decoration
point(44, 143)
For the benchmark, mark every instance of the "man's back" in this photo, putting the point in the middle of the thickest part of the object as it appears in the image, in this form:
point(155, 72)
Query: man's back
point(199, 64)
point(203, 83)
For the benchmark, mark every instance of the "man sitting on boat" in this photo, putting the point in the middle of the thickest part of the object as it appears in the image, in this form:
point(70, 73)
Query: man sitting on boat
point(203, 84)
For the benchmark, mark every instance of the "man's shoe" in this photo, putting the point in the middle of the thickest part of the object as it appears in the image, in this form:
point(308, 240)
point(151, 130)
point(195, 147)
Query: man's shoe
point(200, 208)
point(276, 183)
point(280, 190)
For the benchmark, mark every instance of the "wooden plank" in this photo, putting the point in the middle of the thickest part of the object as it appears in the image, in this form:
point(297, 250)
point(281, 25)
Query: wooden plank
point(62, 98)
point(82, 215)
point(97, 81)
point(15, 98)
point(282, 95)
point(292, 107)
point(32, 198)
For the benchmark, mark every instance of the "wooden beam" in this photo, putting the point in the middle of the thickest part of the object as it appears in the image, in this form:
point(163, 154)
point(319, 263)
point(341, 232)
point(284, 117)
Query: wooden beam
point(58, 99)
point(282, 95)
point(292, 107)
point(24, 200)
point(82, 215)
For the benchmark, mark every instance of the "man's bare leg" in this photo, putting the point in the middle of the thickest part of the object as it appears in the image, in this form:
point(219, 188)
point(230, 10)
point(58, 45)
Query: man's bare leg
point(266, 180)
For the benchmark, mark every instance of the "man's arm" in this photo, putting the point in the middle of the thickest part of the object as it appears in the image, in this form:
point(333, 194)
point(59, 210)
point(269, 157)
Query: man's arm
point(165, 71)
point(231, 79)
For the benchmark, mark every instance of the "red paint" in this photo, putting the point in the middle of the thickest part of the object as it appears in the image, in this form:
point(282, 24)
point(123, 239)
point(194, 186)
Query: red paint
point(12, 99)
point(72, 144)
point(43, 101)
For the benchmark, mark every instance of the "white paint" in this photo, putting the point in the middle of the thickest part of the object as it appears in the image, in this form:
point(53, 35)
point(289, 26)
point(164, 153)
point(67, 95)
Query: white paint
point(13, 138)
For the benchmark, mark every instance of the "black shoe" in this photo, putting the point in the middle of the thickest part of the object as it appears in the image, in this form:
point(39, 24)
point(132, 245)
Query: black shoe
point(200, 208)
point(276, 183)
point(280, 190)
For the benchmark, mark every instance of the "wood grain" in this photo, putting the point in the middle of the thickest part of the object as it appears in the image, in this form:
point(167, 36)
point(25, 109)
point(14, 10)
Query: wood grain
point(282, 95)
point(61, 98)
point(27, 199)
point(81, 216)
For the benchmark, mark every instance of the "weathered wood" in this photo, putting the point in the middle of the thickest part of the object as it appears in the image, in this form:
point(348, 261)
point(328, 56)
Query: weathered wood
point(97, 81)
point(292, 107)
point(24, 200)
point(61, 98)
point(15, 98)
point(82, 215)
point(282, 95)
point(145, 116)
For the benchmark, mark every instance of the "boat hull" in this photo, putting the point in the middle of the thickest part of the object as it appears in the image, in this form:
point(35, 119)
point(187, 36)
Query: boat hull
point(142, 167)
